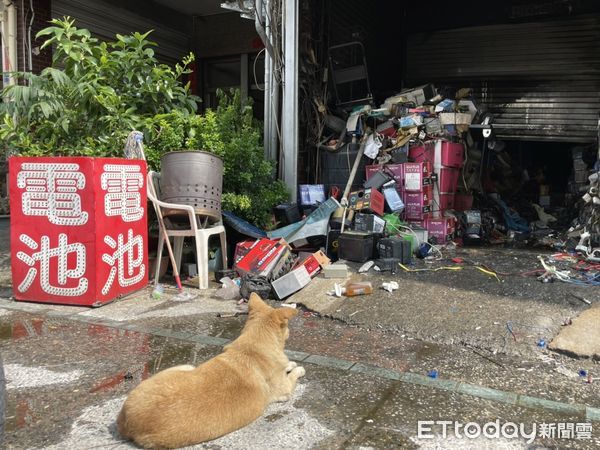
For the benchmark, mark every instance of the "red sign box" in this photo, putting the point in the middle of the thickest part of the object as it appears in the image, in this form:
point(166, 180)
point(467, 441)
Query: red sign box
point(78, 229)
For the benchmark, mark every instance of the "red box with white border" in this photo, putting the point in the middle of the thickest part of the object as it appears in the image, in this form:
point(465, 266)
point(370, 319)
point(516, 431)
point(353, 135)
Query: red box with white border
point(439, 152)
point(417, 205)
point(78, 228)
point(262, 257)
point(447, 179)
point(443, 228)
point(416, 176)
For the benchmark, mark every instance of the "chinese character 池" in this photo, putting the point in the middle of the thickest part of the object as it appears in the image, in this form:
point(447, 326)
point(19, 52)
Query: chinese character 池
point(51, 190)
point(122, 184)
point(123, 256)
point(44, 257)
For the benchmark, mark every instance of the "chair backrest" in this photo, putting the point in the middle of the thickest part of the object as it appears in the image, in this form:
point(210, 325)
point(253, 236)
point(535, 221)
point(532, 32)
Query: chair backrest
point(153, 185)
point(173, 219)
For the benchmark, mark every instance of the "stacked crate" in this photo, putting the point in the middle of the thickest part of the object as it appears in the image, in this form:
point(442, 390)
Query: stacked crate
point(447, 159)
point(417, 191)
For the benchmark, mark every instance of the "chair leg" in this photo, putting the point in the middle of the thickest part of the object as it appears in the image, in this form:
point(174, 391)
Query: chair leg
point(178, 251)
point(223, 249)
point(202, 260)
point(159, 251)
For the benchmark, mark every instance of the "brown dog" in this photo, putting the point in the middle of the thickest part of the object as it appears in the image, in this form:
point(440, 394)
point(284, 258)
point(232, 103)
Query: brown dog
point(185, 405)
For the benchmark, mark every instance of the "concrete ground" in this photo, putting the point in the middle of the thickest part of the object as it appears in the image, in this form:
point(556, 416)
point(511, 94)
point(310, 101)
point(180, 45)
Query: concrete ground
point(367, 361)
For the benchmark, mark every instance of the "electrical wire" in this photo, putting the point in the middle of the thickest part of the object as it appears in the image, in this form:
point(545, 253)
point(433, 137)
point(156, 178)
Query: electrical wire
point(29, 35)
point(254, 68)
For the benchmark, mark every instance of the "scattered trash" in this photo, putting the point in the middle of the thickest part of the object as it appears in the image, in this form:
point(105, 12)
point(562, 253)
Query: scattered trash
point(158, 292)
point(386, 265)
point(255, 283)
point(230, 289)
point(584, 300)
point(432, 373)
point(591, 379)
point(488, 358)
point(366, 267)
point(335, 271)
point(358, 288)
point(566, 372)
point(567, 322)
point(546, 358)
point(583, 373)
point(184, 296)
point(390, 286)
point(234, 314)
point(541, 343)
point(352, 289)
point(509, 327)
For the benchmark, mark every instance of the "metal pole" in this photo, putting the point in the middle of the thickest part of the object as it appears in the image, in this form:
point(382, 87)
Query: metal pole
point(244, 79)
point(289, 122)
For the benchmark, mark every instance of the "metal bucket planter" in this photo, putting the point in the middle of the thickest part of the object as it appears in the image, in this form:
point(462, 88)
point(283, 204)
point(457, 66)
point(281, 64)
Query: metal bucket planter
point(192, 178)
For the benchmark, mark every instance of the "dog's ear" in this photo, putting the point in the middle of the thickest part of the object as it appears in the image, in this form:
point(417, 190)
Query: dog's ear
point(284, 314)
point(255, 303)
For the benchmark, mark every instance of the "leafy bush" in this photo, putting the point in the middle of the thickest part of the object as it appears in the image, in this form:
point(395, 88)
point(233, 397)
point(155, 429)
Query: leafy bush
point(249, 180)
point(97, 92)
point(92, 96)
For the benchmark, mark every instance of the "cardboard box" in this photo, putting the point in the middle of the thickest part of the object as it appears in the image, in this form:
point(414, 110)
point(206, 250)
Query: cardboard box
point(242, 249)
point(418, 205)
point(322, 258)
point(335, 271)
point(443, 229)
point(441, 153)
point(310, 263)
point(291, 282)
point(463, 202)
point(266, 257)
point(447, 179)
point(416, 175)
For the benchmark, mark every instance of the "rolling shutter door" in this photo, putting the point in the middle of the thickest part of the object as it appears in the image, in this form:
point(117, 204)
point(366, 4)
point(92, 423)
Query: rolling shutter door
point(541, 80)
point(105, 20)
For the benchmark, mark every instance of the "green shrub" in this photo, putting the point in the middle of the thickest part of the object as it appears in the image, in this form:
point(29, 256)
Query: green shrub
point(94, 94)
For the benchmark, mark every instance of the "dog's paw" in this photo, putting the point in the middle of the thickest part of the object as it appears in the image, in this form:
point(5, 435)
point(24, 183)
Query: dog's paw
point(291, 365)
point(299, 371)
point(283, 398)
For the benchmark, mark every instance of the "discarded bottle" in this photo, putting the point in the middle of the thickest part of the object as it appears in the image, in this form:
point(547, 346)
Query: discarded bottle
point(359, 288)
point(158, 291)
point(541, 343)
point(432, 373)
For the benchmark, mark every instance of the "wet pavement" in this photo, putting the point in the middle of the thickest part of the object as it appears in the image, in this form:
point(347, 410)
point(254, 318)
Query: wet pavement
point(367, 364)
point(70, 371)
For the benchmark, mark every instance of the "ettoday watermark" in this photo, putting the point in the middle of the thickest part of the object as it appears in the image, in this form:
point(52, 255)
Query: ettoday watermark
point(507, 430)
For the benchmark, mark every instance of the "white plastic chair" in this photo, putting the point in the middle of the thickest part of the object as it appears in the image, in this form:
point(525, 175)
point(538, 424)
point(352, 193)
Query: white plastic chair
point(201, 235)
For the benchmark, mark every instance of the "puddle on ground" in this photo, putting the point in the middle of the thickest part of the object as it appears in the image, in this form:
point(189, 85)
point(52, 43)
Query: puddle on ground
point(227, 327)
